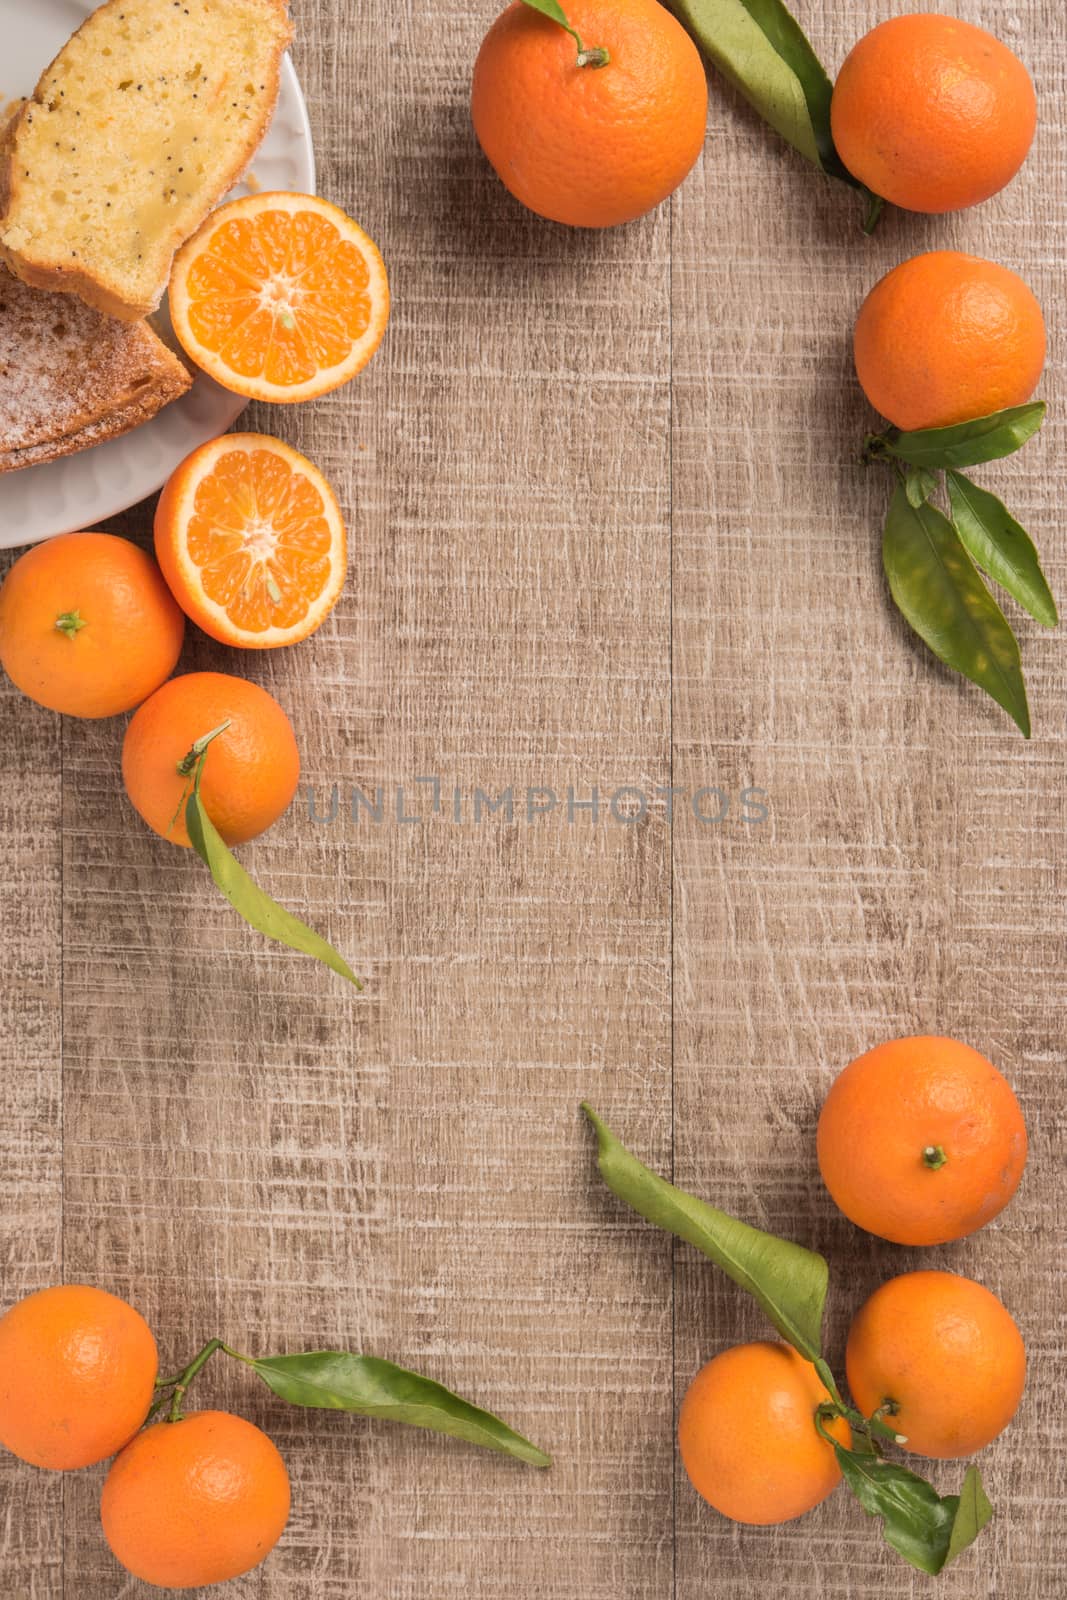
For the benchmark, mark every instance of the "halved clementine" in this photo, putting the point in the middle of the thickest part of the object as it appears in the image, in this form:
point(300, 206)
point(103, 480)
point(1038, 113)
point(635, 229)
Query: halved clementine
point(250, 538)
point(280, 297)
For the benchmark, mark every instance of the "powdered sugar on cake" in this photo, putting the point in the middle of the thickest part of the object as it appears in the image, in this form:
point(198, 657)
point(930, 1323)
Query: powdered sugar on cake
point(70, 377)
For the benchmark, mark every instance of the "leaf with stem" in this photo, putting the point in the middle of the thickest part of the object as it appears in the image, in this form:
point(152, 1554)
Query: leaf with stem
point(1000, 546)
point(787, 1281)
point(247, 898)
point(760, 48)
point(920, 1525)
point(334, 1380)
point(938, 589)
point(967, 444)
point(595, 57)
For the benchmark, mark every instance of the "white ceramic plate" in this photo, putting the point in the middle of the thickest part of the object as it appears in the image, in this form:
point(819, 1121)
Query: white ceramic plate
point(82, 490)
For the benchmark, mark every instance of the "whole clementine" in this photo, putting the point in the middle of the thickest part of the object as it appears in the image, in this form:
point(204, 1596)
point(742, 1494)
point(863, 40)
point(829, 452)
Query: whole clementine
point(87, 625)
point(943, 1356)
point(946, 337)
point(77, 1371)
point(251, 769)
point(933, 113)
point(196, 1501)
point(921, 1141)
point(748, 1439)
point(582, 142)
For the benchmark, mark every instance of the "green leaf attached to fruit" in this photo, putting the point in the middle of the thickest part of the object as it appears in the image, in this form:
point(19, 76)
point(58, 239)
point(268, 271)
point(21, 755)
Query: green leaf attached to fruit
point(787, 1281)
point(920, 485)
point(760, 48)
point(938, 589)
point(337, 1381)
point(967, 444)
point(247, 898)
point(973, 1513)
point(1000, 546)
point(928, 1530)
point(597, 56)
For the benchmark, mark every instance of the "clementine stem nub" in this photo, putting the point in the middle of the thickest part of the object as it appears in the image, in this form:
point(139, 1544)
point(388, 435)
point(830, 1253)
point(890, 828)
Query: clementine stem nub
point(934, 1157)
point(70, 623)
point(595, 57)
point(575, 144)
point(196, 750)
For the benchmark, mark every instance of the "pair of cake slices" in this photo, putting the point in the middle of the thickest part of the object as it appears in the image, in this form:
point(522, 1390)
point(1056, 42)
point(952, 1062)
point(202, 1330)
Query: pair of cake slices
point(144, 120)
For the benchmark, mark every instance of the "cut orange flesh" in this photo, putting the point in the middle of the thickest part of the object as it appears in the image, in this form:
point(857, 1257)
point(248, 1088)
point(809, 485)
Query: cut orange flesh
point(280, 297)
point(251, 540)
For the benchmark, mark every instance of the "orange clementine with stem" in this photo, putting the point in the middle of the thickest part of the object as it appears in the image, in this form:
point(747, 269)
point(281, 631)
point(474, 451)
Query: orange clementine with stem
point(280, 297)
point(748, 1437)
point(594, 130)
point(946, 337)
point(195, 1501)
point(921, 1140)
point(251, 762)
point(942, 1357)
point(251, 540)
point(77, 1372)
point(87, 625)
point(933, 113)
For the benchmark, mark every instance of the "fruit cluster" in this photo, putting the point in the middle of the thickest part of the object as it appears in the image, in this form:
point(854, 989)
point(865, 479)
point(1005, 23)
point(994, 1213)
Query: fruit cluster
point(199, 1497)
point(249, 539)
point(78, 1376)
point(591, 117)
point(595, 114)
point(920, 1141)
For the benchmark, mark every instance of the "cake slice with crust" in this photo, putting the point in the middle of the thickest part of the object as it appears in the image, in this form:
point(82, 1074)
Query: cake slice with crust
point(71, 377)
point(144, 120)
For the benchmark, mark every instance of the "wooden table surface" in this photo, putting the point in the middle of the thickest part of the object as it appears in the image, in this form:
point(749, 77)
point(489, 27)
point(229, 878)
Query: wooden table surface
point(608, 530)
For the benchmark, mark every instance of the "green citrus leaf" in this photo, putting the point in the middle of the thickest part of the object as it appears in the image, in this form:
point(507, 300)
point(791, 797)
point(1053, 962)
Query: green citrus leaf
point(760, 48)
point(916, 1522)
point(334, 1380)
point(935, 584)
point(787, 1281)
point(553, 10)
point(250, 901)
point(972, 1514)
point(968, 443)
point(1000, 546)
point(919, 485)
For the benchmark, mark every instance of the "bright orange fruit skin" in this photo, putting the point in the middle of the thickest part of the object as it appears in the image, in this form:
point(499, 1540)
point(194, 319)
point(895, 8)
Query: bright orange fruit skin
point(251, 772)
point(132, 634)
point(946, 337)
point(933, 113)
point(590, 146)
point(747, 1435)
point(945, 1353)
point(77, 1369)
point(902, 1099)
point(195, 1502)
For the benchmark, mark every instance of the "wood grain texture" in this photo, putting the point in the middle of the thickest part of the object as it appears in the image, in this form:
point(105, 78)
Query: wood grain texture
point(606, 530)
point(909, 878)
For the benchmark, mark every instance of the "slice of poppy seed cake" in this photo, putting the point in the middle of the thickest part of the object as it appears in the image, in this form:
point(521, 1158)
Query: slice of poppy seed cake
point(147, 116)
